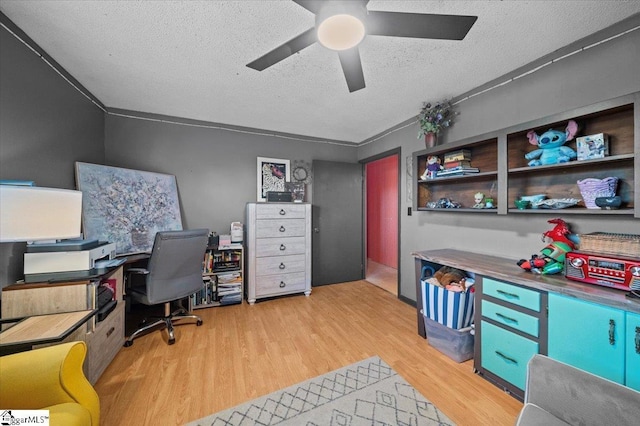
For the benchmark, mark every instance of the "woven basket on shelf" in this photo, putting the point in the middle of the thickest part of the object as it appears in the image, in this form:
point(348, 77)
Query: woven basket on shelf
point(608, 243)
point(592, 188)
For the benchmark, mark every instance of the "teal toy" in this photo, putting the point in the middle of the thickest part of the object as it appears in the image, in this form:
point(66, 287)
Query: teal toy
point(551, 149)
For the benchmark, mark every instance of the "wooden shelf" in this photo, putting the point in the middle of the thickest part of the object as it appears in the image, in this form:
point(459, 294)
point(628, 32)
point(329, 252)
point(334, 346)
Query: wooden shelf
point(506, 176)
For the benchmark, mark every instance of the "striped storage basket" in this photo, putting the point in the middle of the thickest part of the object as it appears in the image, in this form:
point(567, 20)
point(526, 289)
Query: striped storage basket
point(449, 308)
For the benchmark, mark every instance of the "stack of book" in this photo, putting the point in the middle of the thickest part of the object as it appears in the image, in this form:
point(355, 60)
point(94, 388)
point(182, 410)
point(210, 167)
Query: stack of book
point(229, 288)
point(457, 163)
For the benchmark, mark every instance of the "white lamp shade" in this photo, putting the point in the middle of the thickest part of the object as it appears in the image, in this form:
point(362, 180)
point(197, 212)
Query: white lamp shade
point(32, 213)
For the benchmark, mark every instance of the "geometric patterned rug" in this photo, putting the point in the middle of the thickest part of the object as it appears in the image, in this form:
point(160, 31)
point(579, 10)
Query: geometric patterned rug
point(367, 393)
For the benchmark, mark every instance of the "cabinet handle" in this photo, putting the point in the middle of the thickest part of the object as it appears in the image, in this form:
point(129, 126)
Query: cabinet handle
point(507, 294)
point(506, 318)
point(282, 247)
point(281, 266)
point(282, 212)
point(612, 332)
point(503, 356)
point(111, 330)
point(282, 284)
point(638, 340)
point(282, 228)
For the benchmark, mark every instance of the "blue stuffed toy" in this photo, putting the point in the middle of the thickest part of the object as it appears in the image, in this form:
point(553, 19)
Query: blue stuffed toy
point(551, 149)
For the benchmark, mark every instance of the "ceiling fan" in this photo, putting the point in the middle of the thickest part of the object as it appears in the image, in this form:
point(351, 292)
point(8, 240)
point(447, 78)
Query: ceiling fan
point(341, 26)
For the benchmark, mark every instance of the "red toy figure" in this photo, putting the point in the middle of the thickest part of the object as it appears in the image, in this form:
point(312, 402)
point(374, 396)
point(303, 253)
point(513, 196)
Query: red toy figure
point(551, 258)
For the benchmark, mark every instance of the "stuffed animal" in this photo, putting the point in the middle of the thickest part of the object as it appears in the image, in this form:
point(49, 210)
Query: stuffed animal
point(433, 167)
point(447, 276)
point(550, 146)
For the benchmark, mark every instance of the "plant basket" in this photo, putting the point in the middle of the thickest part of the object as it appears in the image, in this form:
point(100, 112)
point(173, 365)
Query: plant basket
point(592, 188)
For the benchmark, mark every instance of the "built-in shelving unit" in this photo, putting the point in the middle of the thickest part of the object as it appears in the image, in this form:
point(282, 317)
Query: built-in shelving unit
point(505, 176)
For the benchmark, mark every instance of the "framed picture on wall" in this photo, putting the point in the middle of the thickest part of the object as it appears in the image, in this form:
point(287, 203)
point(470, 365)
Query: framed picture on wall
point(272, 174)
point(127, 207)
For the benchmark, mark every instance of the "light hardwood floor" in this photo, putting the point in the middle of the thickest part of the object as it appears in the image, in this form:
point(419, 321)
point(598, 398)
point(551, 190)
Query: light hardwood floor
point(382, 276)
point(242, 352)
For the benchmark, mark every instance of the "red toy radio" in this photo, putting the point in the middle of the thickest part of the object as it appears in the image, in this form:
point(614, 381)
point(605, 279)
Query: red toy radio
point(618, 272)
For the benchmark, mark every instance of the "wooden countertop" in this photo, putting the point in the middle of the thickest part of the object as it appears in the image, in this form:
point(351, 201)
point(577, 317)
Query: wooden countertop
point(45, 328)
point(508, 270)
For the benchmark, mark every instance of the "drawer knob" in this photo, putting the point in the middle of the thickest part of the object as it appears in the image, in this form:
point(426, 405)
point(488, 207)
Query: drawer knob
point(506, 358)
point(282, 228)
point(282, 247)
point(111, 330)
point(612, 332)
point(507, 294)
point(282, 212)
point(281, 266)
point(282, 284)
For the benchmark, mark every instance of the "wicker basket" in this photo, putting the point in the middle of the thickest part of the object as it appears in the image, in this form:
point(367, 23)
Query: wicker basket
point(592, 188)
point(606, 243)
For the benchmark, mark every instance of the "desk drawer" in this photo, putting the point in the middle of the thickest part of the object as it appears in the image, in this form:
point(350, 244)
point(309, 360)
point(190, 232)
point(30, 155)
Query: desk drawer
point(506, 354)
point(280, 264)
point(280, 246)
point(280, 211)
point(280, 284)
point(514, 319)
point(105, 342)
point(520, 296)
point(272, 228)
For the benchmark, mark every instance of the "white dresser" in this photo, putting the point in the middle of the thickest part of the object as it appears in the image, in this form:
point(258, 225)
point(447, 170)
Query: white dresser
point(278, 249)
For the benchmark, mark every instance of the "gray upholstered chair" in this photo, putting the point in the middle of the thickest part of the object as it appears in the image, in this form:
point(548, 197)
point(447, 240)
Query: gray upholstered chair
point(174, 272)
point(559, 394)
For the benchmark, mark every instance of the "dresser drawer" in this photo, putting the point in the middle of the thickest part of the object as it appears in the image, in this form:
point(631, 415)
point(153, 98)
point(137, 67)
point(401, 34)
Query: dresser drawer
point(105, 342)
point(280, 211)
point(271, 228)
point(506, 354)
point(280, 246)
point(281, 283)
point(526, 298)
point(280, 264)
point(514, 319)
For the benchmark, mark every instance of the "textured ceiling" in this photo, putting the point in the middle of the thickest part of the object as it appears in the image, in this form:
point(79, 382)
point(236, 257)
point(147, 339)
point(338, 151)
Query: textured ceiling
point(188, 58)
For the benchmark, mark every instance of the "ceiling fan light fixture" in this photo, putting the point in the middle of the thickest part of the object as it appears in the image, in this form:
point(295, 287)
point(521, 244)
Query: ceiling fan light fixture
point(340, 32)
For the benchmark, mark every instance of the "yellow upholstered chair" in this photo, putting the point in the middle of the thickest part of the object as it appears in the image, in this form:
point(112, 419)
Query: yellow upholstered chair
point(50, 378)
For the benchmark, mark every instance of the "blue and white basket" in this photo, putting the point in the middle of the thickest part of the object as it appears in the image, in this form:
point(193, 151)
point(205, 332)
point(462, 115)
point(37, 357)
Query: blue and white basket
point(450, 308)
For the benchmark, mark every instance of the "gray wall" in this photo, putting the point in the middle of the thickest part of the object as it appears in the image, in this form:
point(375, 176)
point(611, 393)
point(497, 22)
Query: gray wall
point(603, 72)
point(45, 126)
point(215, 169)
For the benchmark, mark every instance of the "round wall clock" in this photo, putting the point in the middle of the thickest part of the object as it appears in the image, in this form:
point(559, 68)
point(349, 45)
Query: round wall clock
point(301, 172)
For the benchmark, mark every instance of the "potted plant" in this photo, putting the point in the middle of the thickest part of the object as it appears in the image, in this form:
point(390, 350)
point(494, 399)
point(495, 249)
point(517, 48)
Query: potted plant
point(432, 119)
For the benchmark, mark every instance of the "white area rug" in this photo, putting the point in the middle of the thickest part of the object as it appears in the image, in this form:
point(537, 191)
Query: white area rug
point(365, 393)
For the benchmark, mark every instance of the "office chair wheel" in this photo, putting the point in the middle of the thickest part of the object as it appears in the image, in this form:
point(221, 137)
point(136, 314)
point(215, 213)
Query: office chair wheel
point(128, 343)
point(199, 323)
point(171, 341)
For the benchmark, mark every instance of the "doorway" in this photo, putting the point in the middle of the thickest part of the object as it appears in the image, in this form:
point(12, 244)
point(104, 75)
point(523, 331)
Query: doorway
point(382, 177)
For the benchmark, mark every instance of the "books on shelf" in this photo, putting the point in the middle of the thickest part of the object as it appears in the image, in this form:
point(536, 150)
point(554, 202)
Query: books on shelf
point(459, 155)
point(456, 171)
point(459, 163)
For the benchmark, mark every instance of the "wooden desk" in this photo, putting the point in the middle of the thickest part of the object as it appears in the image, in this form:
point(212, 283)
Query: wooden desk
point(104, 338)
point(40, 330)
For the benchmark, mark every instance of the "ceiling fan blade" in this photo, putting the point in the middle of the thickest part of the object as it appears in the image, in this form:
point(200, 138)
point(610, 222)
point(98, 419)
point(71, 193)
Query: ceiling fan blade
point(419, 25)
point(285, 50)
point(310, 5)
point(315, 5)
point(352, 68)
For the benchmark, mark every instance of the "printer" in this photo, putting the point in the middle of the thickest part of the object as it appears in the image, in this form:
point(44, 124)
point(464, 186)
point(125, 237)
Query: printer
point(71, 255)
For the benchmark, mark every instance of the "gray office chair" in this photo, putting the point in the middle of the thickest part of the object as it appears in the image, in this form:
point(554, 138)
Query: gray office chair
point(174, 272)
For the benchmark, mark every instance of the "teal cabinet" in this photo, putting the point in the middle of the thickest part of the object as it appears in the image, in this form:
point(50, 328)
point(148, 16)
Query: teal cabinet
point(633, 351)
point(588, 336)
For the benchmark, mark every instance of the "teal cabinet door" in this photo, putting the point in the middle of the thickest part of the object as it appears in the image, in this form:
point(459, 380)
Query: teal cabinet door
point(633, 351)
point(588, 336)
